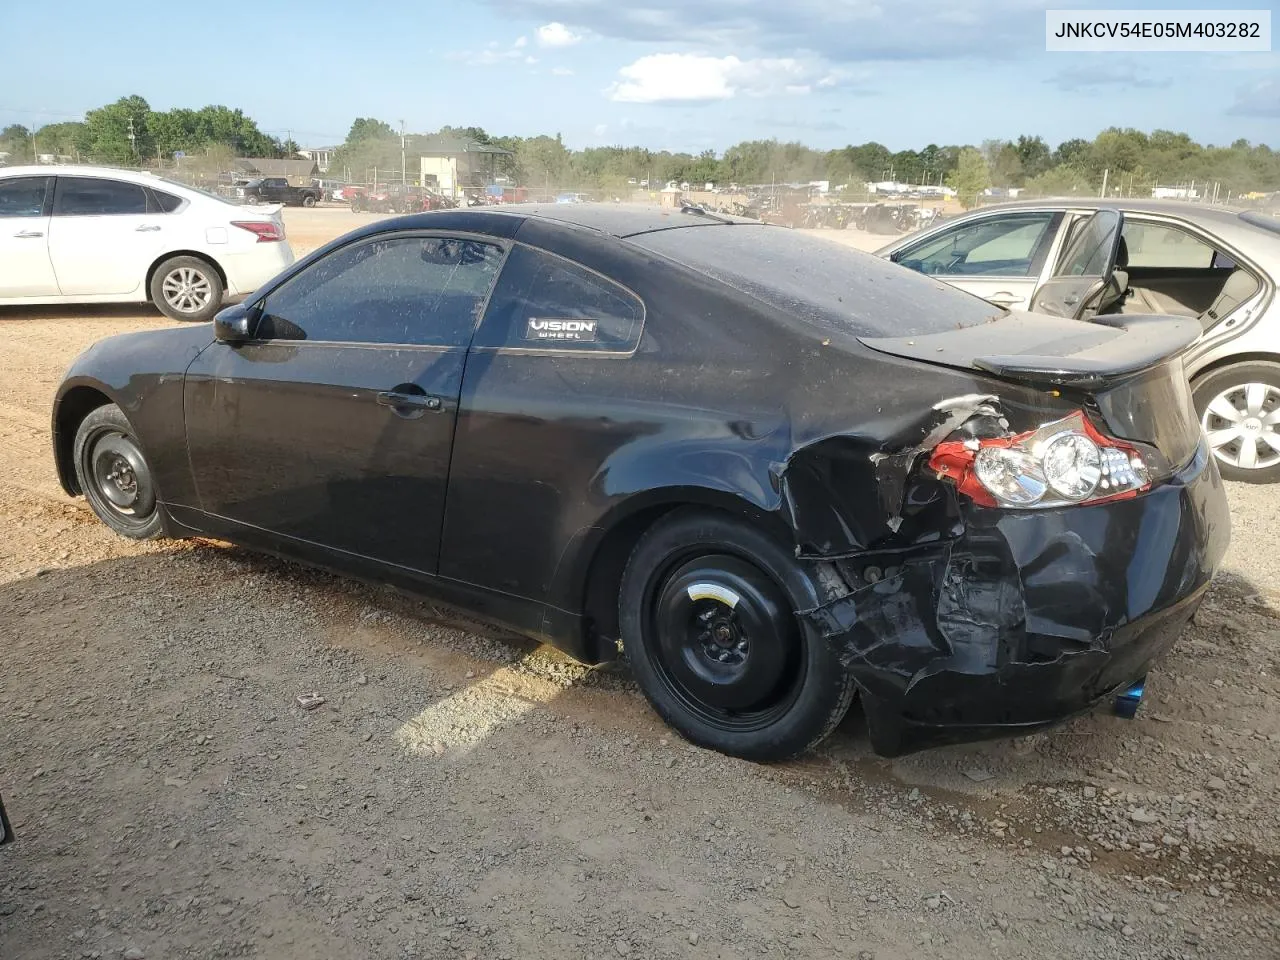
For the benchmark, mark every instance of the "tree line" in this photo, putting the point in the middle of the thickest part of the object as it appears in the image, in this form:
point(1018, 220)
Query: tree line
point(1129, 159)
point(129, 133)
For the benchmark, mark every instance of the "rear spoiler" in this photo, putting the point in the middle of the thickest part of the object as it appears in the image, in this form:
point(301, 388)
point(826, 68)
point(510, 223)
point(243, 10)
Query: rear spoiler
point(1054, 351)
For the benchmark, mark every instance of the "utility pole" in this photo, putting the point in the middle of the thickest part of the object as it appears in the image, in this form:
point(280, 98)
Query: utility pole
point(133, 140)
point(404, 178)
point(1105, 173)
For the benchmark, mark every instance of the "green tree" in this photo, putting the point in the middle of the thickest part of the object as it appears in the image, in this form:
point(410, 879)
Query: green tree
point(1064, 181)
point(1072, 152)
point(15, 140)
point(1034, 155)
point(970, 177)
point(106, 133)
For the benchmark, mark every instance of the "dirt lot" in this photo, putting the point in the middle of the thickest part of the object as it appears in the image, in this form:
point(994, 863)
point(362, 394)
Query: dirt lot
point(463, 794)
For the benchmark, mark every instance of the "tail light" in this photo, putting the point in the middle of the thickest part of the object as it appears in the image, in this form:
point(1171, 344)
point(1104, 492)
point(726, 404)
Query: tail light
point(268, 231)
point(1065, 462)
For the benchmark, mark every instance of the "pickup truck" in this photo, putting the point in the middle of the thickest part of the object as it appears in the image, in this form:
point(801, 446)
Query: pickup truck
point(277, 190)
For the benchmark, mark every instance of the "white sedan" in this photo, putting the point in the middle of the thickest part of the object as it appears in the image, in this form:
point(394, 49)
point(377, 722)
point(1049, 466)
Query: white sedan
point(73, 234)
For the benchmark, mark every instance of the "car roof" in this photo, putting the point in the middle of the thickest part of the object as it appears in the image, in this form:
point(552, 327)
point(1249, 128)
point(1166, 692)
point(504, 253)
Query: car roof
point(618, 219)
point(77, 170)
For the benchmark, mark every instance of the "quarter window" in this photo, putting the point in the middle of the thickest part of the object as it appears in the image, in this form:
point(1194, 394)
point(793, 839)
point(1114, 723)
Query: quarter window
point(95, 197)
point(1008, 246)
point(546, 302)
point(23, 196)
point(400, 289)
point(166, 201)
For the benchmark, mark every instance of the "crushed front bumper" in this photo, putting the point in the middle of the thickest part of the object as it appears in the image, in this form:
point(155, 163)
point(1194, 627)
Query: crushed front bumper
point(1027, 617)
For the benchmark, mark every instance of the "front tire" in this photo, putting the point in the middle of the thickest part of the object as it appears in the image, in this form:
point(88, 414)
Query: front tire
point(707, 614)
point(1239, 409)
point(308, 201)
point(187, 288)
point(114, 474)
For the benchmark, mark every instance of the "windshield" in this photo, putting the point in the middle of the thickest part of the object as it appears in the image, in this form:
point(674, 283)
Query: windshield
point(821, 282)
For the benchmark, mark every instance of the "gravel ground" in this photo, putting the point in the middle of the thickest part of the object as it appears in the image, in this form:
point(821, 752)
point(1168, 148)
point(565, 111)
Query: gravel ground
point(464, 794)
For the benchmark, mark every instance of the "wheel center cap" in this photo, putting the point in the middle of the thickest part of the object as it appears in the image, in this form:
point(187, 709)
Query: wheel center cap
point(1253, 424)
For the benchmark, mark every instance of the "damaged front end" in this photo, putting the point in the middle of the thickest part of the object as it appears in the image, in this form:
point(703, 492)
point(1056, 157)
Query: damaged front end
point(1028, 552)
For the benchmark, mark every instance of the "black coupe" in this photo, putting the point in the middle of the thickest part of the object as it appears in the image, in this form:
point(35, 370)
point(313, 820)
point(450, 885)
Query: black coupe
point(773, 472)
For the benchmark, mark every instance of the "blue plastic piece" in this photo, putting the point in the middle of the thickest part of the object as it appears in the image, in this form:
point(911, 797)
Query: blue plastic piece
point(1127, 703)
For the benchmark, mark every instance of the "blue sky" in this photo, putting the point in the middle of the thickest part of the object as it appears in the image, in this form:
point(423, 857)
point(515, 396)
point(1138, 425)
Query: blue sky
point(667, 74)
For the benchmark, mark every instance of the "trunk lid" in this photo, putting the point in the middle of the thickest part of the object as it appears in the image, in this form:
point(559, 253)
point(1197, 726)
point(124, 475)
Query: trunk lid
point(1126, 369)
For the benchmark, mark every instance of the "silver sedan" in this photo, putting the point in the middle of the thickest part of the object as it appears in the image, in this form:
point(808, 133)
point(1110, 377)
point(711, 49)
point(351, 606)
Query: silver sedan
point(1140, 256)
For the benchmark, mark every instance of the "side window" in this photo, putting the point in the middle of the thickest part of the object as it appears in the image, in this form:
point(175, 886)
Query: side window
point(397, 289)
point(95, 197)
point(546, 302)
point(1005, 246)
point(23, 196)
point(167, 202)
point(1157, 245)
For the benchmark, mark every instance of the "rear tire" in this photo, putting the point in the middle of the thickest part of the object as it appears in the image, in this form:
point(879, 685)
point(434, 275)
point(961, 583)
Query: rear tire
point(707, 615)
point(187, 288)
point(1234, 404)
point(308, 201)
point(114, 475)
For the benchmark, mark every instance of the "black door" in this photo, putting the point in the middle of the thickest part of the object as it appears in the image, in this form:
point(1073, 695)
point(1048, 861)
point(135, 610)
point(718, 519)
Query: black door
point(334, 425)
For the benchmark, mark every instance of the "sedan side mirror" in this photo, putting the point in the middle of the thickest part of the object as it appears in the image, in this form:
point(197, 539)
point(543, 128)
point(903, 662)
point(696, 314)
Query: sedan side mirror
point(234, 324)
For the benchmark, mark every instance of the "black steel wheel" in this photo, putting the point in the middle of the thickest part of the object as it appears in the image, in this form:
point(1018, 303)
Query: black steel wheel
point(707, 612)
point(114, 475)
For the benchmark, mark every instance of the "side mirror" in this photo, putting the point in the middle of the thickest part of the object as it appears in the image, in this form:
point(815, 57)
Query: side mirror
point(233, 324)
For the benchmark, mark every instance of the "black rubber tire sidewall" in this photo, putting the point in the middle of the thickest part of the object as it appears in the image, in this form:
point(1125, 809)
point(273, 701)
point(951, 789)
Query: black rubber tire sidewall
point(215, 286)
point(1209, 385)
point(111, 416)
point(308, 201)
point(827, 688)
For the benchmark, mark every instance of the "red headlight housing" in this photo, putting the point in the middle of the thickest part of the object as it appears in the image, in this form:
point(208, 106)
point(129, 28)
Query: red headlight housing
point(268, 231)
point(1066, 462)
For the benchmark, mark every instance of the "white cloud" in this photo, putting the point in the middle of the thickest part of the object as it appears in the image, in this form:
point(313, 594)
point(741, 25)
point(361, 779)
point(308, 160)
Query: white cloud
point(494, 53)
point(667, 77)
point(561, 72)
point(556, 34)
point(847, 31)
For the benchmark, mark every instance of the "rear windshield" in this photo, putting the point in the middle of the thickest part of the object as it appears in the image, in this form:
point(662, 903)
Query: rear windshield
point(1261, 220)
point(821, 281)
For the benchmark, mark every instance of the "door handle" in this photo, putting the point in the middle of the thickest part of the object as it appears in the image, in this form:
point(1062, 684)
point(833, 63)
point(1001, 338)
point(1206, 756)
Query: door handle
point(1071, 299)
point(29, 234)
point(1006, 299)
point(147, 228)
point(421, 401)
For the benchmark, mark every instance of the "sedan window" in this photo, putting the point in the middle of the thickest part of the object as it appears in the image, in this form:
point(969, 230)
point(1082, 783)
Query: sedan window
point(401, 289)
point(546, 302)
point(95, 197)
point(996, 246)
point(23, 196)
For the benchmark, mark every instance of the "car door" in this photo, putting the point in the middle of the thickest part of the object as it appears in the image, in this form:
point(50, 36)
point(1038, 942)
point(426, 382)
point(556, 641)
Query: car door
point(999, 256)
point(1084, 279)
point(103, 237)
point(334, 425)
point(25, 269)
